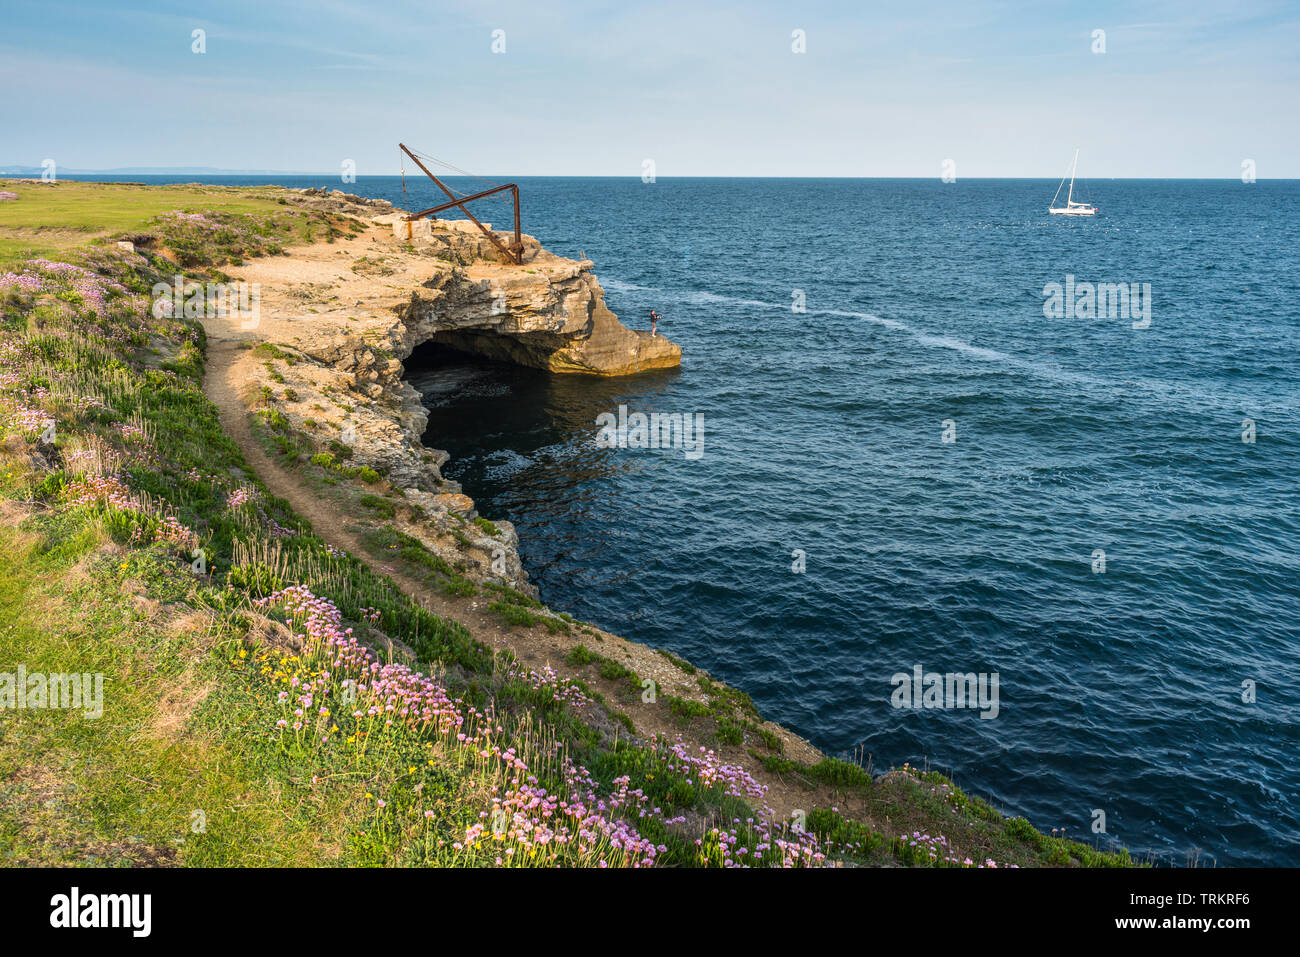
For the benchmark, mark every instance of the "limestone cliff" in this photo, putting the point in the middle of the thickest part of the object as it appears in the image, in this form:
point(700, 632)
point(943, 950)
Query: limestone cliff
point(548, 313)
point(338, 319)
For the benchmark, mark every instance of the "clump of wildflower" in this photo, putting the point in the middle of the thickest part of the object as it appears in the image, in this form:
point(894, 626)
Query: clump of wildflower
point(706, 768)
point(171, 531)
point(548, 680)
point(240, 496)
point(21, 281)
point(100, 490)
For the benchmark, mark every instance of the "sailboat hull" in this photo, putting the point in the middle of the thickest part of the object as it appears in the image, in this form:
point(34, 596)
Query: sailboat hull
point(1071, 208)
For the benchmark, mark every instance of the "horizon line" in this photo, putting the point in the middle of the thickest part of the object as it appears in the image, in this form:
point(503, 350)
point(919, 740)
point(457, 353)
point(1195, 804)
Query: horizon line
point(189, 171)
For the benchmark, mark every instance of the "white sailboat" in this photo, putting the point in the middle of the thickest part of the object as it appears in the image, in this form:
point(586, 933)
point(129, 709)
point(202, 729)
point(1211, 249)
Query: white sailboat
point(1071, 208)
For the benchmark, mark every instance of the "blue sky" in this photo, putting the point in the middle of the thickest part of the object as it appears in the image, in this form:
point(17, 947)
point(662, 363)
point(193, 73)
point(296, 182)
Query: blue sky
point(1184, 88)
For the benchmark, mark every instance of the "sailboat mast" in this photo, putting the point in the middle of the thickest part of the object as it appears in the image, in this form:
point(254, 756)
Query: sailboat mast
point(1073, 169)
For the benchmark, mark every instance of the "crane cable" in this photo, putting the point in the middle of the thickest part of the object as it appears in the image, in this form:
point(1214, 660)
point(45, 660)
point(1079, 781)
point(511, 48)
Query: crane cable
point(461, 172)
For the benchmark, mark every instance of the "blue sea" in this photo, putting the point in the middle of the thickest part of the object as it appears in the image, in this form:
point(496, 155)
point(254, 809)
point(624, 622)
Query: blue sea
point(1104, 516)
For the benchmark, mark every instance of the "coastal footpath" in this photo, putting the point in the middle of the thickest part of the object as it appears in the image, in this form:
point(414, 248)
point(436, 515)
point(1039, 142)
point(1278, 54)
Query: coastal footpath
point(314, 649)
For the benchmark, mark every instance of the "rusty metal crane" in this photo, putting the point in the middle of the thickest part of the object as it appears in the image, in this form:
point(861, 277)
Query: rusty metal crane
point(514, 252)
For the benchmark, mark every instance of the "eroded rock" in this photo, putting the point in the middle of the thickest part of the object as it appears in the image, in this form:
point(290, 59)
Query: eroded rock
point(343, 317)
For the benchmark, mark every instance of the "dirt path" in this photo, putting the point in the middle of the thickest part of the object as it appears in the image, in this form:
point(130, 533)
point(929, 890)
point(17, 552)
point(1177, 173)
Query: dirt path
point(227, 371)
point(225, 358)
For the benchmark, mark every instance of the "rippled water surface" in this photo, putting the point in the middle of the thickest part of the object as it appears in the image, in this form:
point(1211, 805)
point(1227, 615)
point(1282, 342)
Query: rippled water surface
point(1119, 691)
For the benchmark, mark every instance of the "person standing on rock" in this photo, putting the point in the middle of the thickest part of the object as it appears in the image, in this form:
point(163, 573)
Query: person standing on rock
point(654, 323)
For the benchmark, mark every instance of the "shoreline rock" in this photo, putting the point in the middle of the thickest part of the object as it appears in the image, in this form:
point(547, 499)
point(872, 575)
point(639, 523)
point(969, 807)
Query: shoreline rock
point(548, 313)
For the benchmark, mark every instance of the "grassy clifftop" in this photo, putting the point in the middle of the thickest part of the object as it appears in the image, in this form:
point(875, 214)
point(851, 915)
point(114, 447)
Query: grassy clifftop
point(48, 219)
point(269, 699)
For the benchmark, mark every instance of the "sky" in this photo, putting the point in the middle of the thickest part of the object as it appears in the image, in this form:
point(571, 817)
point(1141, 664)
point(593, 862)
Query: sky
point(1191, 88)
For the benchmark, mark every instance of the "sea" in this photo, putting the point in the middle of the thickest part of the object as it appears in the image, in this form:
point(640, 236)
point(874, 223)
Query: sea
point(941, 432)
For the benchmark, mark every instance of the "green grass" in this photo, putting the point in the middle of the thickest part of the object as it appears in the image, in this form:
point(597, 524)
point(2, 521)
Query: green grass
point(579, 655)
point(377, 504)
point(47, 220)
point(513, 615)
point(418, 559)
point(176, 775)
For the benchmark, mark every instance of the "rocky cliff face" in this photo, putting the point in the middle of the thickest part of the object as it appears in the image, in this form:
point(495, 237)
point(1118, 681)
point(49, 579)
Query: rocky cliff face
point(548, 313)
point(343, 316)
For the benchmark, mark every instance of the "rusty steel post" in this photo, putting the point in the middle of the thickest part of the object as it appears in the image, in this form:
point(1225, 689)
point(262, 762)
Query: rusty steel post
point(519, 246)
